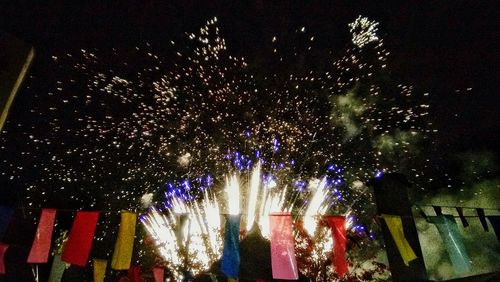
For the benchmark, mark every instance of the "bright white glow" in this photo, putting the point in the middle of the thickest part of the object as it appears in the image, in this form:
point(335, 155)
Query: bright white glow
point(252, 196)
point(233, 195)
point(316, 206)
point(271, 184)
point(274, 201)
point(200, 239)
point(161, 229)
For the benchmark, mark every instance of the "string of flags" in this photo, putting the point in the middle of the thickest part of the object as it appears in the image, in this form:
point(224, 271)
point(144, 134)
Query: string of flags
point(77, 248)
point(448, 230)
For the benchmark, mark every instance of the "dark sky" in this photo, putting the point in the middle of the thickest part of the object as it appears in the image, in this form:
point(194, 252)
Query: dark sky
point(441, 47)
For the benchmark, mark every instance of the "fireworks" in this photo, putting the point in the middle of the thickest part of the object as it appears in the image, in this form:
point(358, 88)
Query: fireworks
point(192, 229)
point(115, 125)
point(363, 31)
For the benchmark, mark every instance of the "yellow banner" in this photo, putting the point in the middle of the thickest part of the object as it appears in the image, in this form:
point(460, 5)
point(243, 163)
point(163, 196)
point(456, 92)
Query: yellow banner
point(396, 228)
point(122, 255)
point(99, 269)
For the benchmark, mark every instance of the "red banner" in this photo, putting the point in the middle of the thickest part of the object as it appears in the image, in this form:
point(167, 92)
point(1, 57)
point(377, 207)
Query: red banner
point(135, 274)
point(3, 249)
point(283, 262)
point(337, 226)
point(41, 243)
point(77, 248)
point(158, 273)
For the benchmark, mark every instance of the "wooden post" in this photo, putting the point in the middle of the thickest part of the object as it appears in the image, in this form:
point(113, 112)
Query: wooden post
point(15, 59)
point(391, 195)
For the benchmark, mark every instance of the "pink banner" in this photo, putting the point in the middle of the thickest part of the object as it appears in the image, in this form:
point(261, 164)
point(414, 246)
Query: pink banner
point(77, 248)
point(337, 225)
point(158, 273)
point(41, 243)
point(3, 249)
point(283, 260)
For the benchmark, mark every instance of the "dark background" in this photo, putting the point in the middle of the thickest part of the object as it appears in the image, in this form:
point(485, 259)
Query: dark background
point(441, 47)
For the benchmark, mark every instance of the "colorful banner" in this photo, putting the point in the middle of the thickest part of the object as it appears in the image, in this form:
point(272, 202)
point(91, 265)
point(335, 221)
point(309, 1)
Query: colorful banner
point(462, 217)
point(495, 222)
point(135, 274)
point(283, 262)
point(158, 273)
point(230, 261)
point(99, 269)
point(41, 243)
point(448, 230)
point(57, 269)
point(5, 215)
point(482, 218)
point(395, 226)
point(438, 210)
point(77, 248)
point(122, 256)
point(3, 250)
point(337, 226)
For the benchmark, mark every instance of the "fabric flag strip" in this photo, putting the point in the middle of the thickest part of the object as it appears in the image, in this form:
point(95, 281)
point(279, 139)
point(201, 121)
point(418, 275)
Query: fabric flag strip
point(495, 222)
point(230, 264)
point(5, 215)
point(41, 243)
point(337, 227)
point(158, 273)
point(448, 230)
point(99, 269)
point(283, 262)
point(482, 218)
point(462, 217)
point(122, 255)
point(135, 274)
point(3, 250)
point(395, 226)
point(77, 248)
point(57, 269)
point(438, 210)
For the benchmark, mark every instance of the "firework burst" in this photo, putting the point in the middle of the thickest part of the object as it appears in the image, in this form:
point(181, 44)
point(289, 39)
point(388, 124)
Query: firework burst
point(115, 125)
point(188, 234)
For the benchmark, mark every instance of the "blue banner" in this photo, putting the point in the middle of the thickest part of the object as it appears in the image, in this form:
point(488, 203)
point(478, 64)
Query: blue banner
point(230, 264)
point(5, 215)
point(495, 222)
point(448, 230)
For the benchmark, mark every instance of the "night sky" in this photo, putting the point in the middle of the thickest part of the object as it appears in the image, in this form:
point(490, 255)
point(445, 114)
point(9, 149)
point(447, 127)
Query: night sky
point(446, 48)
point(441, 47)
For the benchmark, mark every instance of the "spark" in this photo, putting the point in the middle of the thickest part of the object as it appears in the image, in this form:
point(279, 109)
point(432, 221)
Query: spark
point(316, 207)
point(233, 195)
point(364, 31)
point(253, 194)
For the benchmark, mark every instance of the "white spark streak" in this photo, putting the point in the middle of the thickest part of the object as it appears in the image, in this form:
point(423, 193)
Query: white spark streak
point(316, 206)
point(233, 195)
point(252, 194)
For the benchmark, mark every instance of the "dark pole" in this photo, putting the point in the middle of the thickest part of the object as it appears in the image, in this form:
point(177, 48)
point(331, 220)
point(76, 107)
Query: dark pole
point(15, 60)
point(391, 195)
